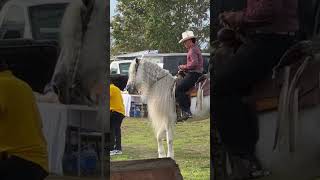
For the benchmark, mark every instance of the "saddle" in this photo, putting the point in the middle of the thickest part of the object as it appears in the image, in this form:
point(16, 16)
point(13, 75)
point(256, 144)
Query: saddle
point(199, 90)
point(294, 85)
point(295, 70)
point(203, 82)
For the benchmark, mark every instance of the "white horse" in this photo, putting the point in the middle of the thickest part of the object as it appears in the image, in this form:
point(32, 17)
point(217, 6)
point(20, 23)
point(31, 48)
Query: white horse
point(81, 66)
point(158, 86)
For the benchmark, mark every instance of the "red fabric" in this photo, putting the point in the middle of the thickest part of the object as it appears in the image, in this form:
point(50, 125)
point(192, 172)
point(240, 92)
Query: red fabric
point(194, 60)
point(269, 15)
point(260, 10)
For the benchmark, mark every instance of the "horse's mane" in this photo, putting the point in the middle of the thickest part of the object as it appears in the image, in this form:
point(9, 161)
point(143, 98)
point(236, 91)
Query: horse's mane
point(148, 74)
point(153, 72)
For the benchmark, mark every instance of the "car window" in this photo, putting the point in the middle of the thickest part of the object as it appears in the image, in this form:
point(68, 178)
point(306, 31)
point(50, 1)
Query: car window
point(171, 63)
point(206, 60)
point(124, 68)
point(14, 23)
point(46, 20)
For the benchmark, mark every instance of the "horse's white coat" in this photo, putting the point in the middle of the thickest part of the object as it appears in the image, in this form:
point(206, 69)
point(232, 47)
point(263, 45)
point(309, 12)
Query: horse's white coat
point(157, 85)
point(83, 53)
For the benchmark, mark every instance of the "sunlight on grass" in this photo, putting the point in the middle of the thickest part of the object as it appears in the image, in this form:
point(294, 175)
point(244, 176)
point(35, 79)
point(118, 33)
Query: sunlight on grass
point(191, 145)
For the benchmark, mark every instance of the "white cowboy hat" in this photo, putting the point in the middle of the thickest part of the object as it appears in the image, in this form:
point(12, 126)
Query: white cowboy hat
point(187, 35)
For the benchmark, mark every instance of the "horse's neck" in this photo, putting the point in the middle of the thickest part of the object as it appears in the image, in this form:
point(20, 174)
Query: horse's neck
point(152, 76)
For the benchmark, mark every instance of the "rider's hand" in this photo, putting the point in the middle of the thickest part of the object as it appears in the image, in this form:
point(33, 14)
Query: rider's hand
point(180, 67)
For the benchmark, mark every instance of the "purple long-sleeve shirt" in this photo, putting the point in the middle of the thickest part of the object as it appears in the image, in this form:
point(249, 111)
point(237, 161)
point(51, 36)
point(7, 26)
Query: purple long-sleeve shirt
point(194, 60)
point(271, 15)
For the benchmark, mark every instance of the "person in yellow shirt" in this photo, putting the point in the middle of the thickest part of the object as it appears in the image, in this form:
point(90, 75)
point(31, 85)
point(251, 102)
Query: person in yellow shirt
point(117, 114)
point(23, 148)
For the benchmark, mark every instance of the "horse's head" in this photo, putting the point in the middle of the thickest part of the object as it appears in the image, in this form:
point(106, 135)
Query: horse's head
point(143, 75)
point(133, 83)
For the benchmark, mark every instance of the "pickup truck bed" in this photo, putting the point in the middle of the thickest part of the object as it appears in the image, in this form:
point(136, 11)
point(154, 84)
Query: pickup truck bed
point(31, 60)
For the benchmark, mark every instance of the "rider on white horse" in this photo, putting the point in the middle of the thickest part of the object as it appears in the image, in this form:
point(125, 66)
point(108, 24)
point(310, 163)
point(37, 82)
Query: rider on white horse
point(193, 70)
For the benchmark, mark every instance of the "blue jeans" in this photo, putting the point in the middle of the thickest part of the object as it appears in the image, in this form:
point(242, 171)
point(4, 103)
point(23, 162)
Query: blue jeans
point(182, 87)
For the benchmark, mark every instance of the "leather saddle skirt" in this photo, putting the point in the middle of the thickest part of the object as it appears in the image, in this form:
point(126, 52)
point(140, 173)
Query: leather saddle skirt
point(266, 93)
point(204, 83)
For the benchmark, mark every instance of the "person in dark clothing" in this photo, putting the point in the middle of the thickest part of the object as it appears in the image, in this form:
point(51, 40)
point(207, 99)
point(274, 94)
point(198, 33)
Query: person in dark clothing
point(193, 70)
point(117, 114)
point(270, 28)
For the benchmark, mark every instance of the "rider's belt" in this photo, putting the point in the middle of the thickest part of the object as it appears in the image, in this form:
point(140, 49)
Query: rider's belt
point(276, 33)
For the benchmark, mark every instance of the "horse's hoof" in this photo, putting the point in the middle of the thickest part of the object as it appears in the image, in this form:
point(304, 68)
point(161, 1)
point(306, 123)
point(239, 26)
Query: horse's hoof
point(162, 156)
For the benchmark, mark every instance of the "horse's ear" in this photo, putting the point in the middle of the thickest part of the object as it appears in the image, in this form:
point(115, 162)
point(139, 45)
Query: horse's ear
point(137, 60)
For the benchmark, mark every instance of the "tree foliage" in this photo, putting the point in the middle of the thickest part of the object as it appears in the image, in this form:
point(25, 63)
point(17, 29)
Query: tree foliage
point(153, 24)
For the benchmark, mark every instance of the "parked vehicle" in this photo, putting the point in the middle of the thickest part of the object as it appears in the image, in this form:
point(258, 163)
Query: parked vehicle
point(120, 67)
point(31, 60)
point(130, 56)
point(32, 19)
point(171, 61)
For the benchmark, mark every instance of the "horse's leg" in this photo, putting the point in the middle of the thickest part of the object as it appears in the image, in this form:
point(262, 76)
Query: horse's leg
point(161, 151)
point(169, 134)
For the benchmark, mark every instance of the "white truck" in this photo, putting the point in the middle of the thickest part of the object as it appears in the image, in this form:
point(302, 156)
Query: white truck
point(32, 19)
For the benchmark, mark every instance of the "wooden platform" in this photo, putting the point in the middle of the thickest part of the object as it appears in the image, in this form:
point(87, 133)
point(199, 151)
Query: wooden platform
point(150, 169)
point(71, 178)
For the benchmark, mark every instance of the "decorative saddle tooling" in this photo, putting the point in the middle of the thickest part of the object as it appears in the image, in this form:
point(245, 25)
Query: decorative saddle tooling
point(204, 84)
point(293, 86)
point(296, 69)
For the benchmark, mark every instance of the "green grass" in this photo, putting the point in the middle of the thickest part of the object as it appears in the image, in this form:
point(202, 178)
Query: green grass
point(191, 145)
